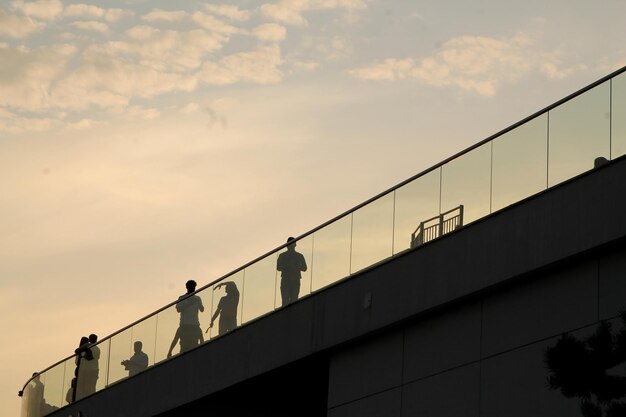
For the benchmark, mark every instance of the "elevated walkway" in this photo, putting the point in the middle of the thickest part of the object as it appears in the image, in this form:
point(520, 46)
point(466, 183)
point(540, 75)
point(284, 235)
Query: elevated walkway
point(369, 271)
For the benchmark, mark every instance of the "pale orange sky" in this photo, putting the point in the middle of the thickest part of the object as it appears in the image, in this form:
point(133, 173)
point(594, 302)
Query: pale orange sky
point(143, 144)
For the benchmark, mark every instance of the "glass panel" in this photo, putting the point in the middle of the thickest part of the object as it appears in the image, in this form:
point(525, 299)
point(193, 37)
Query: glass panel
point(618, 112)
point(467, 181)
point(415, 202)
point(331, 253)
point(121, 349)
point(579, 133)
point(52, 384)
point(103, 363)
point(44, 393)
point(69, 380)
point(372, 233)
point(258, 288)
point(305, 247)
point(167, 340)
point(520, 162)
point(226, 303)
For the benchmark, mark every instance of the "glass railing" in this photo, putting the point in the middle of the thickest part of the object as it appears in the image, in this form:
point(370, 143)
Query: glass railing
point(543, 150)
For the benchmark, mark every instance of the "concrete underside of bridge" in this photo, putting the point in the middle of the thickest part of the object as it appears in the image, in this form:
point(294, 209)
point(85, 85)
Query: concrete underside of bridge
point(456, 327)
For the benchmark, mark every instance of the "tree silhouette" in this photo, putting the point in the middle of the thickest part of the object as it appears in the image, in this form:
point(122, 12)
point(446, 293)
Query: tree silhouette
point(586, 368)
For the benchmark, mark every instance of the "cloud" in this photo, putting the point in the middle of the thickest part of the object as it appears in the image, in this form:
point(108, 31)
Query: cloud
point(138, 112)
point(113, 15)
point(17, 26)
point(270, 32)
point(14, 123)
point(553, 67)
point(39, 9)
point(26, 76)
point(390, 69)
point(260, 66)
point(231, 12)
point(89, 11)
point(190, 108)
point(83, 124)
point(213, 24)
point(107, 81)
point(165, 16)
point(144, 62)
point(306, 65)
point(328, 49)
point(473, 63)
point(167, 50)
point(91, 26)
point(291, 12)
point(84, 11)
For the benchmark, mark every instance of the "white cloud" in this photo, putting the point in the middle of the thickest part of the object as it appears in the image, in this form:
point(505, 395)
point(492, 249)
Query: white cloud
point(17, 26)
point(389, 70)
point(144, 63)
point(26, 76)
point(286, 12)
point(190, 108)
point(16, 124)
point(553, 67)
point(231, 12)
point(84, 11)
point(39, 9)
point(83, 124)
point(167, 50)
point(138, 112)
point(91, 26)
point(270, 32)
point(113, 15)
point(89, 11)
point(291, 11)
point(165, 16)
point(306, 65)
point(328, 49)
point(105, 80)
point(260, 66)
point(472, 63)
point(213, 24)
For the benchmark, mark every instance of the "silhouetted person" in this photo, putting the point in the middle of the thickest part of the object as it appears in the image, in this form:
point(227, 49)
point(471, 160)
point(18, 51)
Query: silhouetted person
point(90, 367)
point(69, 396)
point(83, 355)
point(290, 263)
point(175, 341)
point(138, 362)
point(35, 397)
point(189, 331)
point(226, 308)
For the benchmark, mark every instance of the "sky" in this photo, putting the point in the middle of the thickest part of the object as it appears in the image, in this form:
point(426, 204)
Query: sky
point(144, 143)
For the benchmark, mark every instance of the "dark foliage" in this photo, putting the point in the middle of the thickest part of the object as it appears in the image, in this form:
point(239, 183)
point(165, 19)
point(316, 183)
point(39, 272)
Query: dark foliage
point(585, 369)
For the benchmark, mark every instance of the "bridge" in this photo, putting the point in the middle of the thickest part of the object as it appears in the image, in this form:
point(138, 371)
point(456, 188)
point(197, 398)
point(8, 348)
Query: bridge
point(440, 296)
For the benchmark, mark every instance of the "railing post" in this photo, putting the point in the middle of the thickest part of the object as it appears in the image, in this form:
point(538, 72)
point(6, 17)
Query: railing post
point(440, 225)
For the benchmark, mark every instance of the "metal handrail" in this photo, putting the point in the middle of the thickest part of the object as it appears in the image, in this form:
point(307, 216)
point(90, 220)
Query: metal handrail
point(425, 233)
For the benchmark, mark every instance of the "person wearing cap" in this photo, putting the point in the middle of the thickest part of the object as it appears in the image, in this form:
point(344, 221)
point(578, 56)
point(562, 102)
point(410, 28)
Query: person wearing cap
point(290, 264)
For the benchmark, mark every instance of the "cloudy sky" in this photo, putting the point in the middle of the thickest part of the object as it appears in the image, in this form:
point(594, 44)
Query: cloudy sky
point(143, 144)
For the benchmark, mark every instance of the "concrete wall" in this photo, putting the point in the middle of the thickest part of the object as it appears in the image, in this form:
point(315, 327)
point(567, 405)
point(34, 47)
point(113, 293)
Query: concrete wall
point(483, 356)
point(448, 325)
